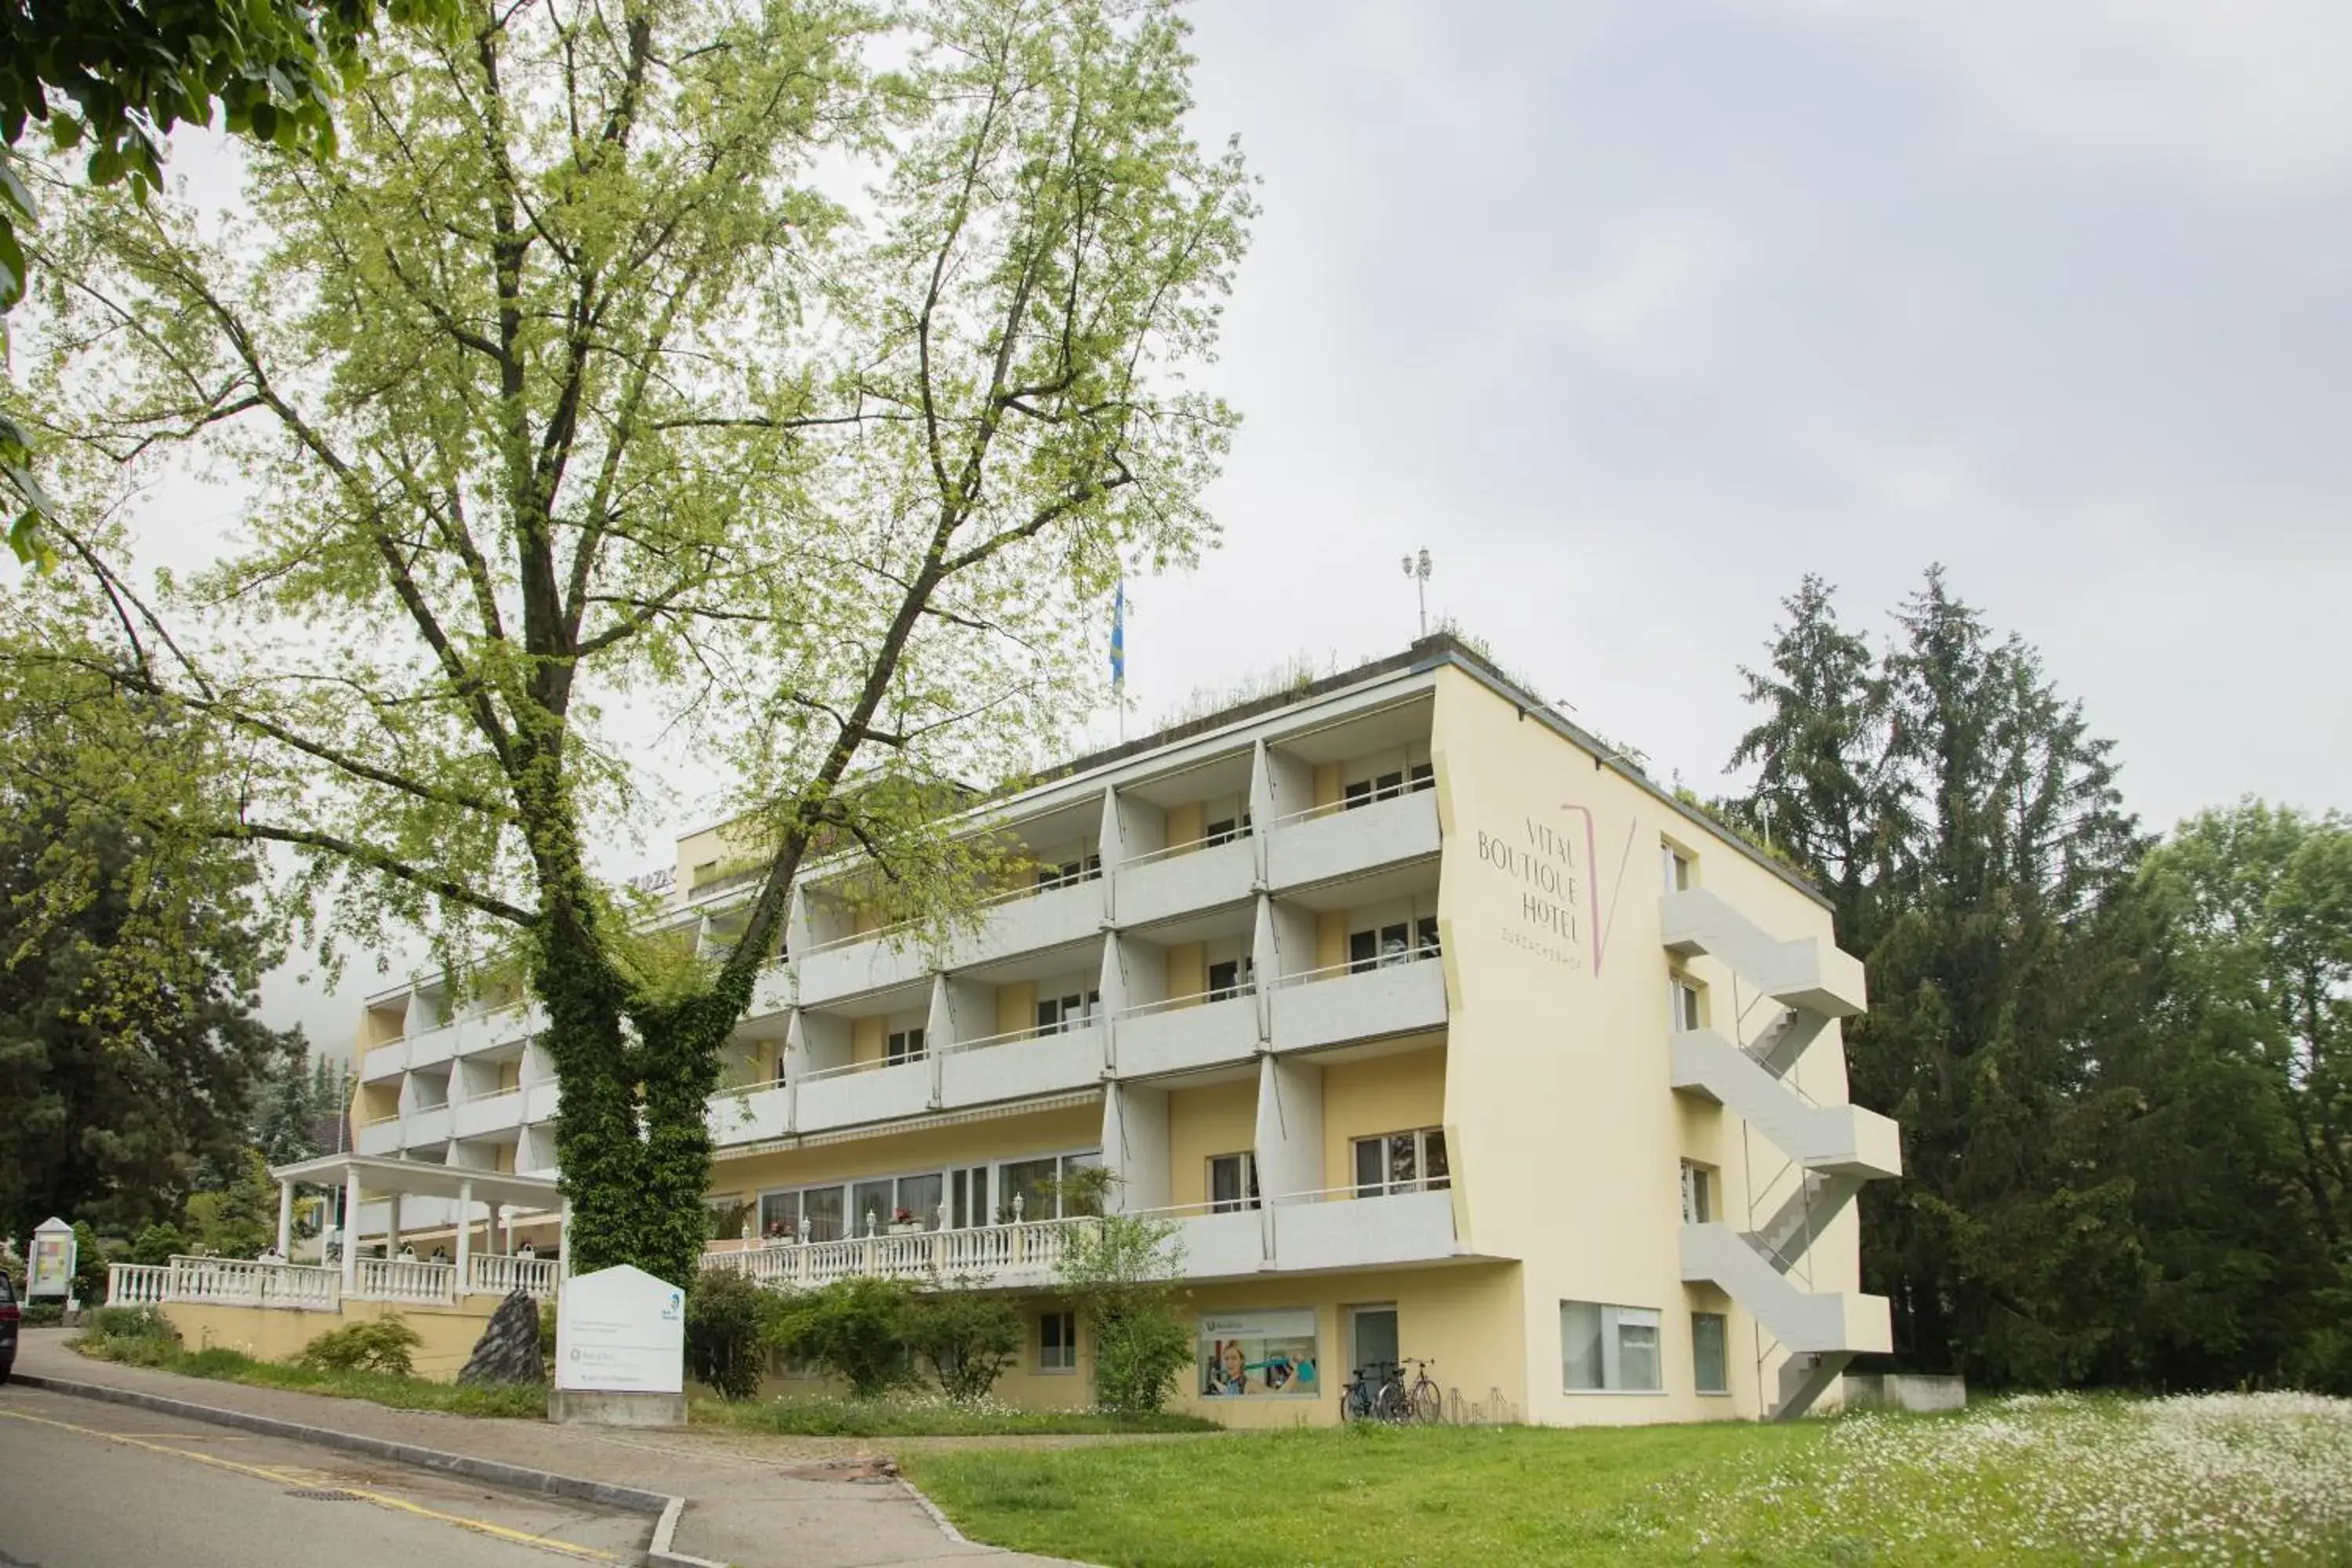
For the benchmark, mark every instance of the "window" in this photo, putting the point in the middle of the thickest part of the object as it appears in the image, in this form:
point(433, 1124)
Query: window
point(1232, 1182)
point(1707, 1353)
point(1679, 868)
point(968, 1197)
point(1226, 829)
point(1070, 873)
point(1698, 1196)
point(1425, 931)
point(904, 1045)
point(782, 1214)
point(1608, 1349)
point(1355, 795)
point(1684, 1010)
point(1036, 1183)
point(1402, 1162)
point(1421, 775)
point(1397, 942)
point(1058, 1015)
point(1057, 1341)
point(1231, 978)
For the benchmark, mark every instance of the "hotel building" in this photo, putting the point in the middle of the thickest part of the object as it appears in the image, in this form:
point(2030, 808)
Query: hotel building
point(1434, 1028)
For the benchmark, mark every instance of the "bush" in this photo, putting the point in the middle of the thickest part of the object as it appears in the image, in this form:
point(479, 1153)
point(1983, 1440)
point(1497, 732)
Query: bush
point(966, 1338)
point(384, 1344)
point(41, 1315)
point(89, 1265)
point(135, 1336)
point(851, 1328)
point(159, 1244)
point(547, 1339)
point(1120, 1272)
point(727, 1322)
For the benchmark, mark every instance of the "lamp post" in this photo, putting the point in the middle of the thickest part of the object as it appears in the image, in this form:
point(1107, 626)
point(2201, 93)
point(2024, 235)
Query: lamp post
point(1418, 569)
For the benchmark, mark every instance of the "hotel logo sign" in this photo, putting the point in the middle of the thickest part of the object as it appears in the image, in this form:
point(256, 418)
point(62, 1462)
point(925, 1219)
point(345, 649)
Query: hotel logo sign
point(1561, 915)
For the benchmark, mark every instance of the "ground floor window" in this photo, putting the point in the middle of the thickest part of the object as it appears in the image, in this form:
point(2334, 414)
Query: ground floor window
point(1609, 1349)
point(1057, 1341)
point(1706, 1351)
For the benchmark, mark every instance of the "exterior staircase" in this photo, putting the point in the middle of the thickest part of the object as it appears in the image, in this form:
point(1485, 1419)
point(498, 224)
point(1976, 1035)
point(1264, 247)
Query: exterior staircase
point(1836, 1148)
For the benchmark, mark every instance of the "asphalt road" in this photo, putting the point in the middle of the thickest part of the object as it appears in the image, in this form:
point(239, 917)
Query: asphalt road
point(89, 1485)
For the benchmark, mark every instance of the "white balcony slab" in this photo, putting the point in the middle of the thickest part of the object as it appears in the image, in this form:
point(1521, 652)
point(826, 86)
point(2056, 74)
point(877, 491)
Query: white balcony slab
point(1015, 1069)
point(1186, 1039)
point(1184, 883)
point(490, 1113)
point(1806, 973)
point(1224, 1246)
point(426, 1124)
point(1363, 1233)
point(541, 1100)
point(736, 1117)
point(1395, 999)
point(1804, 1321)
point(379, 1138)
point(866, 963)
point(1054, 917)
point(384, 1063)
point(854, 1098)
point(507, 1026)
point(430, 1048)
point(1349, 842)
point(772, 992)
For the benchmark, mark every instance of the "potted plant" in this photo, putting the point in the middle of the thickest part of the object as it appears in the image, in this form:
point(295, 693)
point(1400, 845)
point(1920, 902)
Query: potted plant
point(903, 1222)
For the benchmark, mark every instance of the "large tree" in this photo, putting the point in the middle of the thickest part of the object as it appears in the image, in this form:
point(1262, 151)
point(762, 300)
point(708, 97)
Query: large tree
point(564, 386)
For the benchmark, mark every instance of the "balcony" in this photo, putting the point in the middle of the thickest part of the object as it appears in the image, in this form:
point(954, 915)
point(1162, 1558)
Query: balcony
point(1340, 1230)
point(1186, 1034)
point(772, 992)
point(541, 1100)
point(1332, 1006)
point(1328, 843)
point(858, 1093)
point(1024, 920)
point(853, 965)
point(425, 1124)
point(384, 1062)
point(752, 1114)
point(487, 1113)
point(381, 1136)
point(1183, 879)
point(430, 1048)
point(1018, 1064)
point(1810, 973)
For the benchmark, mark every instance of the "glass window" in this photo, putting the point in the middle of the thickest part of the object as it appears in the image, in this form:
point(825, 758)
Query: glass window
point(1227, 979)
point(1057, 1341)
point(1677, 870)
point(1058, 1015)
point(1401, 1162)
point(1682, 999)
point(1232, 1182)
point(1030, 1181)
point(1699, 1203)
point(1580, 1342)
point(1707, 1353)
point(1357, 795)
point(1387, 786)
point(1363, 950)
point(1637, 1353)
point(871, 1203)
point(1434, 1171)
point(1425, 936)
point(1421, 775)
point(1609, 1349)
point(826, 1212)
point(922, 1195)
point(905, 1045)
point(780, 1216)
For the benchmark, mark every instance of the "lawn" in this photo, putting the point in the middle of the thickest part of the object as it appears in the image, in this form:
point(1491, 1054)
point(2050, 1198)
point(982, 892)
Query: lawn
point(2054, 1480)
point(221, 1365)
point(916, 1415)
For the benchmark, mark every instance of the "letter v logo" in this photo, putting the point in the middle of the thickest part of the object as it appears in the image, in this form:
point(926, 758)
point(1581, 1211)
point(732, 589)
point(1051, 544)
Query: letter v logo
point(1599, 922)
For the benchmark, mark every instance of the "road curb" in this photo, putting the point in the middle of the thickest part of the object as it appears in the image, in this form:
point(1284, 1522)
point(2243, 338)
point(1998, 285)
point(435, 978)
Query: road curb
point(665, 1509)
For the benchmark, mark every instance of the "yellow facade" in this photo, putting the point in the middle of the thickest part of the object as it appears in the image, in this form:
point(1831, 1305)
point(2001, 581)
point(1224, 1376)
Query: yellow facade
point(268, 1333)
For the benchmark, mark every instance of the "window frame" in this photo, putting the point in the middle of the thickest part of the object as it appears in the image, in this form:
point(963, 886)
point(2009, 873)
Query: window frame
point(1065, 1324)
point(910, 1043)
point(1246, 1181)
point(1722, 1321)
point(1386, 1186)
point(1612, 1319)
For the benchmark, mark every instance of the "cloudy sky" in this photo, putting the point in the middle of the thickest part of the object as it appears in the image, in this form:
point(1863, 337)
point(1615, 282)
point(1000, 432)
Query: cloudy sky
point(1633, 313)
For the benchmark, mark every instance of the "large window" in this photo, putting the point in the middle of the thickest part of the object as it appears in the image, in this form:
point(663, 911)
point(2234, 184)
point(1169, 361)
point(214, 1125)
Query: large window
point(1706, 1351)
point(1393, 941)
point(1605, 1349)
point(1057, 1341)
point(1059, 1015)
point(1232, 1182)
point(1402, 1162)
point(969, 1195)
point(823, 1209)
point(1387, 785)
point(1038, 1184)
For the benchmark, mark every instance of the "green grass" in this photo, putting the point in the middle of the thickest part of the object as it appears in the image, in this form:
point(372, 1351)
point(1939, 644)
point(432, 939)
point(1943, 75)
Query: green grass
point(922, 1416)
point(2221, 1480)
point(235, 1366)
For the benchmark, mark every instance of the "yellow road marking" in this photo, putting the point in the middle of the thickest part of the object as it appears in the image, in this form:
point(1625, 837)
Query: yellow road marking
point(303, 1479)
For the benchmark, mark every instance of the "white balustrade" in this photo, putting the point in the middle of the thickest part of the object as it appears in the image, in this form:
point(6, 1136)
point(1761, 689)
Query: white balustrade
point(405, 1279)
point(136, 1284)
point(495, 1273)
point(988, 1253)
point(247, 1283)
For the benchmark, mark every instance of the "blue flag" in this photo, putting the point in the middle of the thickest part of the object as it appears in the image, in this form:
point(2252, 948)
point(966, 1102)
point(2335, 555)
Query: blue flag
point(1118, 637)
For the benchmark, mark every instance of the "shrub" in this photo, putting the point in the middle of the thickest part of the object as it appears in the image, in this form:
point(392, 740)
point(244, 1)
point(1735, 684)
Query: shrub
point(727, 1322)
point(547, 1339)
point(136, 1336)
point(89, 1265)
point(1120, 1273)
point(966, 1338)
point(41, 1314)
point(159, 1244)
point(851, 1328)
point(384, 1344)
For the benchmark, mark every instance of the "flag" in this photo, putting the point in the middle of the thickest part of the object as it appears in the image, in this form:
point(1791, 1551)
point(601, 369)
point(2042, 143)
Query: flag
point(1118, 639)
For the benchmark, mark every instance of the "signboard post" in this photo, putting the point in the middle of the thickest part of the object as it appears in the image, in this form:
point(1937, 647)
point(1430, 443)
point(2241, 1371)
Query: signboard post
point(619, 1351)
point(50, 1270)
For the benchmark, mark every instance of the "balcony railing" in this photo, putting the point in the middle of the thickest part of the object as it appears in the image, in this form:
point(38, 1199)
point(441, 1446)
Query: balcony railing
point(1030, 1249)
point(405, 1279)
point(497, 1274)
point(299, 1287)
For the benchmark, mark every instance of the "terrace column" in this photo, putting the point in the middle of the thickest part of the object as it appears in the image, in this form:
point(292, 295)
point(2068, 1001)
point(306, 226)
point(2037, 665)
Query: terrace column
point(392, 1226)
point(350, 1229)
point(465, 1232)
point(286, 1220)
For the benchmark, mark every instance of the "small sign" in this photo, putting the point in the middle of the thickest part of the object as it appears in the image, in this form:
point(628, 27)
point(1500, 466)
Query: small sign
point(50, 1270)
point(620, 1331)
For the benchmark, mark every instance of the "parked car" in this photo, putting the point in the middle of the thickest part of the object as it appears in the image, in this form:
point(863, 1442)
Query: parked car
point(10, 1316)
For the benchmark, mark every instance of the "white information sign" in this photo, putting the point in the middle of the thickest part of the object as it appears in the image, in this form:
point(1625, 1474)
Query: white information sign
point(620, 1331)
point(50, 1270)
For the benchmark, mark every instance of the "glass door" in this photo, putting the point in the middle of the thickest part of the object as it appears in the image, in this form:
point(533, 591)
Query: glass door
point(1371, 1338)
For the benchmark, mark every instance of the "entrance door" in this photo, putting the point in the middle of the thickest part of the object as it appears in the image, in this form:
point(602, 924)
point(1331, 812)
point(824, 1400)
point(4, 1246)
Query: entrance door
point(1371, 1337)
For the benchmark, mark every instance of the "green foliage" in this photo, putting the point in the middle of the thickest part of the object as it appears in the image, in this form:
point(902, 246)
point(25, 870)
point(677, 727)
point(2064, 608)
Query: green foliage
point(239, 1218)
point(903, 1415)
point(158, 1244)
point(966, 1336)
point(135, 1336)
point(728, 1320)
point(129, 1048)
point(225, 1366)
point(547, 1326)
point(90, 1264)
point(385, 1345)
point(1120, 1273)
point(42, 1314)
point(851, 1329)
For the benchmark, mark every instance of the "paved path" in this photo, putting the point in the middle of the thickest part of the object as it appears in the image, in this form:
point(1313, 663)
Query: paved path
point(104, 1486)
point(748, 1504)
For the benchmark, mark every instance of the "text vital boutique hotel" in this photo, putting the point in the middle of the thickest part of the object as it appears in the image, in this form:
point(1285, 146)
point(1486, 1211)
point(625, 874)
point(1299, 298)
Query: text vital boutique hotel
point(1436, 1028)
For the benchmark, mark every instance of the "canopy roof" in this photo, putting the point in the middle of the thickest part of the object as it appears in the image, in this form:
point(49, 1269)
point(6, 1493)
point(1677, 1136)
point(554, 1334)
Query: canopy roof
point(380, 1177)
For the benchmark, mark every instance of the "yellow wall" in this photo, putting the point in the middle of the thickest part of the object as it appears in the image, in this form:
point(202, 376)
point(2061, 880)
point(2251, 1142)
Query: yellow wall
point(1016, 1006)
point(510, 1074)
point(378, 1100)
point(1187, 969)
point(1386, 1094)
point(1330, 938)
point(868, 1039)
point(1327, 783)
point(1556, 1065)
point(272, 1333)
point(1221, 1119)
point(1185, 824)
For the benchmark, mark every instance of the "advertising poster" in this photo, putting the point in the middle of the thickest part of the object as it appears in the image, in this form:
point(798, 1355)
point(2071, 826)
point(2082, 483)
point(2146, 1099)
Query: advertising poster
point(50, 1271)
point(1259, 1355)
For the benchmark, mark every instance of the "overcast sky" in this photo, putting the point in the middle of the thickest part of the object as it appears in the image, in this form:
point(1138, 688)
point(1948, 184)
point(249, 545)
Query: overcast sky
point(1633, 313)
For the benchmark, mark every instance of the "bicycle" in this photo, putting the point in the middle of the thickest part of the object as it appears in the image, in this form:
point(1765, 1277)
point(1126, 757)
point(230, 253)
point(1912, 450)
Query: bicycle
point(1371, 1394)
point(1423, 1402)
